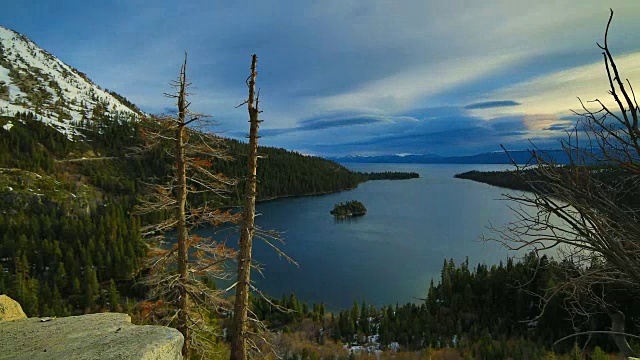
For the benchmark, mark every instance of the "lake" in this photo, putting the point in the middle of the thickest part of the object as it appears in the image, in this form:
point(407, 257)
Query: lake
point(389, 255)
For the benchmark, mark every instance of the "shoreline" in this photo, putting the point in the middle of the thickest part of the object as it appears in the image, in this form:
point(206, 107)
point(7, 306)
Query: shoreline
point(306, 195)
point(321, 193)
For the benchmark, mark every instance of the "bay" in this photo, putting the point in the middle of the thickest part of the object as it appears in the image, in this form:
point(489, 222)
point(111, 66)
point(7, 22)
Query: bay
point(389, 255)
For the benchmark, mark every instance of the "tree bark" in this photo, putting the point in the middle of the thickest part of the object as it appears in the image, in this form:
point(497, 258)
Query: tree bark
point(239, 338)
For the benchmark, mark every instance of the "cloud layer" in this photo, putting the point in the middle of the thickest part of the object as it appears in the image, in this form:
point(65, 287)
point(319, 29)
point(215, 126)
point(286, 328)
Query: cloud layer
point(352, 77)
point(492, 104)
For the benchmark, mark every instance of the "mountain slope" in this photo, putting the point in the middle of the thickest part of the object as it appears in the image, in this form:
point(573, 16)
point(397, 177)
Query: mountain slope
point(34, 81)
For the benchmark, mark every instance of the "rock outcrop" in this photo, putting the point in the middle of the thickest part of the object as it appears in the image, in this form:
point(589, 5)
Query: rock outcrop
point(96, 336)
point(10, 309)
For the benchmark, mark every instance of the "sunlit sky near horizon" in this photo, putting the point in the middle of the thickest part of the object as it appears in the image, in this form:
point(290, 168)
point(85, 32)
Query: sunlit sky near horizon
point(348, 77)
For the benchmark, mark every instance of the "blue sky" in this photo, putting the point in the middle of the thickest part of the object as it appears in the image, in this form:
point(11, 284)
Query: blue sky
point(351, 77)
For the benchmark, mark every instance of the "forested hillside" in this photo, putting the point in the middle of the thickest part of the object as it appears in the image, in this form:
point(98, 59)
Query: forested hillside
point(70, 243)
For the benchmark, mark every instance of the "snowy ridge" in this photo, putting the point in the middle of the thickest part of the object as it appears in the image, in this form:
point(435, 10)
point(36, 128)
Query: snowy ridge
point(35, 81)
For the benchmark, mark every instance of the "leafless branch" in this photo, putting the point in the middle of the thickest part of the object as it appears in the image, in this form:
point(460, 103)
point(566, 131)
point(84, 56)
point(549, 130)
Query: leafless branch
point(587, 212)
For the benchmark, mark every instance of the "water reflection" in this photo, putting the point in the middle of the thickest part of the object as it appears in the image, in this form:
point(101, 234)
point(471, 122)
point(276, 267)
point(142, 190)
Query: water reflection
point(348, 219)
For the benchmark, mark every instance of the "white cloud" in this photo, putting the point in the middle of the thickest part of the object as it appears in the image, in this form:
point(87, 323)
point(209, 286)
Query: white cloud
point(376, 57)
point(401, 91)
point(554, 95)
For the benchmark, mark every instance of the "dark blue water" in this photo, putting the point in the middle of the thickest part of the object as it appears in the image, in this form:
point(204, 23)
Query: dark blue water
point(389, 255)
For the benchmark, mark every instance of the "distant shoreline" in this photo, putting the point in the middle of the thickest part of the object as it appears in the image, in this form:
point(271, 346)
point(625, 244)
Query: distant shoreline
point(329, 192)
point(502, 179)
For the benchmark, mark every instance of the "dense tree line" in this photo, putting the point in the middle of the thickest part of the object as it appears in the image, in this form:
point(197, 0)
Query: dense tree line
point(485, 310)
point(505, 179)
point(287, 173)
point(58, 261)
point(30, 144)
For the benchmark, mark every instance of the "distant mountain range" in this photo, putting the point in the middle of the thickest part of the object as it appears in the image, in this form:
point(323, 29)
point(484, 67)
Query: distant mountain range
point(499, 157)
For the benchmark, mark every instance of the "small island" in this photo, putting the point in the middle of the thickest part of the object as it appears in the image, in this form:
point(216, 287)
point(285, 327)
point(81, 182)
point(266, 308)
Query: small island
point(348, 209)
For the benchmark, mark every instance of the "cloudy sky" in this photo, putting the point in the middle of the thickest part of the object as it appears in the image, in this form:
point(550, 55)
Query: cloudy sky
point(447, 77)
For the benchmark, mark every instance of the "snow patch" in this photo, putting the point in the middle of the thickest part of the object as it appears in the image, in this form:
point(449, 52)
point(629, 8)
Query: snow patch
point(79, 95)
point(8, 126)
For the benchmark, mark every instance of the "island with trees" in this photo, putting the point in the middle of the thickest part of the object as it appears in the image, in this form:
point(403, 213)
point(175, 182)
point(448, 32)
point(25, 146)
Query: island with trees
point(349, 209)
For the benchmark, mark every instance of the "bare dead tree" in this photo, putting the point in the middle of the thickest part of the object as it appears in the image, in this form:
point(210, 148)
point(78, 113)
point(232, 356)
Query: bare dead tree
point(588, 212)
point(176, 269)
point(239, 338)
point(248, 332)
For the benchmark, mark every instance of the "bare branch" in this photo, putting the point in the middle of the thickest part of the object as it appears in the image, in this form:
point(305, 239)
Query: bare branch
point(586, 212)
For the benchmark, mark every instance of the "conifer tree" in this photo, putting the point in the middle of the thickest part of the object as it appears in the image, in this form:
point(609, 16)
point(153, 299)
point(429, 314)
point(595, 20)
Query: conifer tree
point(91, 287)
point(114, 298)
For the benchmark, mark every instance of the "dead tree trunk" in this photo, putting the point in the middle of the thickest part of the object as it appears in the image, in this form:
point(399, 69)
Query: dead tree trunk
point(617, 327)
point(239, 338)
point(174, 275)
point(181, 197)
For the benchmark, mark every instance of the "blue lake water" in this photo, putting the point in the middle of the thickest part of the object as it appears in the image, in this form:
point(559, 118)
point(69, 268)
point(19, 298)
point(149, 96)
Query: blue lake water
point(389, 255)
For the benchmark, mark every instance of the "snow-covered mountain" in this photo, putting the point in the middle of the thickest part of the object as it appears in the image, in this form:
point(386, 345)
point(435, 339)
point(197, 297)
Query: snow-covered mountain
point(496, 157)
point(33, 80)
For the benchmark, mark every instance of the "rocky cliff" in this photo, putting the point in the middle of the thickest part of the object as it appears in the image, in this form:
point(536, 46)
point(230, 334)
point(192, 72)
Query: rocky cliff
point(95, 336)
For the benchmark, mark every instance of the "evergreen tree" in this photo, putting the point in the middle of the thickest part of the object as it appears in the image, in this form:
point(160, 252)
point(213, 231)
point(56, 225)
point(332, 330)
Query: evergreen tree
point(114, 298)
point(91, 288)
